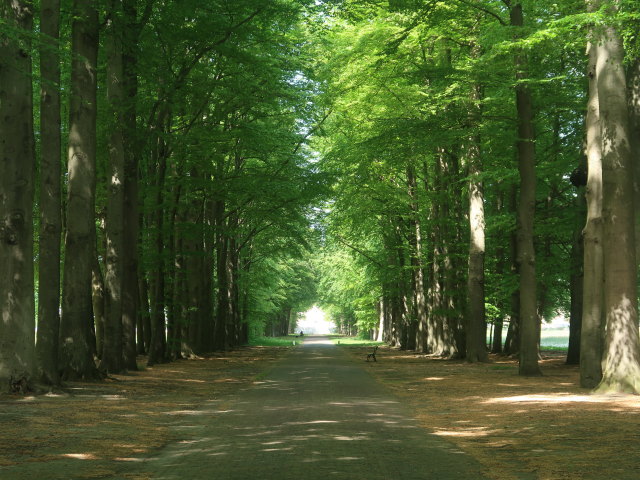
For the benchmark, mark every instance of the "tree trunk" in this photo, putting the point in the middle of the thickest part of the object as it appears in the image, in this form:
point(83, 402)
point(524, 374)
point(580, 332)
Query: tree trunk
point(130, 297)
point(415, 239)
point(50, 196)
point(526, 212)
point(112, 360)
point(576, 280)
point(17, 177)
point(502, 262)
point(222, 250)
point(145, 313)
point(512, 342)
point(158, 344)
point(591, 337)
point(621, 359)
point(633, 85)
point(76, 356)
point(476, 322)
point(97, 304)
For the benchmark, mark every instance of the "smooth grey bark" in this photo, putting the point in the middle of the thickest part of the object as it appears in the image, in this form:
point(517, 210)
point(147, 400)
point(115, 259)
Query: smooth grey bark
point(576, 274)
point(158, 342)
point(222, 251)
point(50, 196)
point(476, 331)
point(131, 315)
point(591, 337)
point(97, 303)
point(502, 271)
point(526, 211)
point(417, 268)
point(112, 360)
point(17, 177)
point(633, 95)
point(76, 339)
point(448, 289)
point(621, 355)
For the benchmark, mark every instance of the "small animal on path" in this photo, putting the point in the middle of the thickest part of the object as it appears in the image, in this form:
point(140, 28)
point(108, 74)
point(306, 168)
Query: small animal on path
point(373, 354)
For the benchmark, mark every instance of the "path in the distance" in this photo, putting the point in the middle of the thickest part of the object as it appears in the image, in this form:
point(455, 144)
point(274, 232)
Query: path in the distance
point(318, 414)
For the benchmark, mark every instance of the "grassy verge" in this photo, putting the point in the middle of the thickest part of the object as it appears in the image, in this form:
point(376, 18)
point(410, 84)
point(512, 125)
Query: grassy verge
point(354, 341)
point(287, 341)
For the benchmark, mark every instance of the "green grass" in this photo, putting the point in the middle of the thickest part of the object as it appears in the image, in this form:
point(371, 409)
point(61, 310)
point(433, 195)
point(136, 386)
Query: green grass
point(354, 341)
point(552, 339)
point(287, 341)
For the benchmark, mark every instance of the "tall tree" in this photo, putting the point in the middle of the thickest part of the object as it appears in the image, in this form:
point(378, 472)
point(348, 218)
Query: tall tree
point(621, 356)
point(476, 322)
point(592, 310)
point(17, 176)
point(50, 200)
point(526, 209)
point(112, 354)
point(76, 351)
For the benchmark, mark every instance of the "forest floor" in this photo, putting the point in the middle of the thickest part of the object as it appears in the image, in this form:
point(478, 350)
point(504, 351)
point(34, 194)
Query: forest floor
point(543, 428)
point(89, 429)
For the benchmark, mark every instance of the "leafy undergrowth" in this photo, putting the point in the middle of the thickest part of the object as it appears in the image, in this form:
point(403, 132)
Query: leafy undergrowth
point(91, 428)
point(545, 428)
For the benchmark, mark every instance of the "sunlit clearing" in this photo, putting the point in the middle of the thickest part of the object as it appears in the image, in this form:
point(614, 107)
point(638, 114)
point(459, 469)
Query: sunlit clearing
point(313, 322)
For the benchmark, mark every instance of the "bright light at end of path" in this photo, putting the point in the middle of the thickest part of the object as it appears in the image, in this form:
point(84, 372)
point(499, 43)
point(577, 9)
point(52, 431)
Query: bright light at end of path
point(313, 322)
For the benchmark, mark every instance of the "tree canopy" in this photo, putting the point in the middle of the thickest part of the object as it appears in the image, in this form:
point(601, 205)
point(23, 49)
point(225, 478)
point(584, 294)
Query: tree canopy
point(421, 170)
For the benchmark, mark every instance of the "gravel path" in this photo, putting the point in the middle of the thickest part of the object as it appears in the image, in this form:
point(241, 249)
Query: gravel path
point(317, 414)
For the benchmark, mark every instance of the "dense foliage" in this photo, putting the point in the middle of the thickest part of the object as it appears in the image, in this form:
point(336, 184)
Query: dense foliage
point(417, 168)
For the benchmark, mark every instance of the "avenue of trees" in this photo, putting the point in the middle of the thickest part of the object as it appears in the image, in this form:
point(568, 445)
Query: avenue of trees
point(177, 176)
point(176, 220)
point(485, 173)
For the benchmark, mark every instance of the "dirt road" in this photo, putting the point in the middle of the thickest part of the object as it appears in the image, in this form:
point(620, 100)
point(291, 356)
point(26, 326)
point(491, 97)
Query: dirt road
point(317, 414)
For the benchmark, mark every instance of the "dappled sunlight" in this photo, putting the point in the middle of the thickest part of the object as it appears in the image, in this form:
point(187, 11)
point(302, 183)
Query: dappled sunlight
point(80, 456)
point(557, 398)
point(190, 412)
point(469, 432)
point(26, 399)
point(512, 424)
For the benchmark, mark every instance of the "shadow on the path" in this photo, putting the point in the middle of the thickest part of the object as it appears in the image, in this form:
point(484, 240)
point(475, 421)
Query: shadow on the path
point(316, 415)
